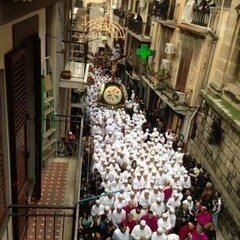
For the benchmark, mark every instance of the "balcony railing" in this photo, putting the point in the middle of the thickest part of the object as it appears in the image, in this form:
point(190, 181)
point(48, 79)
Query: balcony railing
point(223, 3)
point(46, 221)
point(178, 98)
point(201, 17)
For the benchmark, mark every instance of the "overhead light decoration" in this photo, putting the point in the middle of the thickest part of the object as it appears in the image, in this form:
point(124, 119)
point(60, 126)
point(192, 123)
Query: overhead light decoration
point(105, 26)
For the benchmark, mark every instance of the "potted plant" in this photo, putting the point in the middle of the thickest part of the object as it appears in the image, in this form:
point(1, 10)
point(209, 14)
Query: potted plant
point(150, 69)
point(163, 79)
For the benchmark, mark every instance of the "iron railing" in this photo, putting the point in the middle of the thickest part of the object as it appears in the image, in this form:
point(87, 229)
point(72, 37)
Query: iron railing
point(223, 3)
point(53, 222)
point(201, 17)
point(46, 221)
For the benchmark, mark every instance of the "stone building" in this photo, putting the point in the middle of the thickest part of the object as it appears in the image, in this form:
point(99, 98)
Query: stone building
point(217, 128)
point(185, 45)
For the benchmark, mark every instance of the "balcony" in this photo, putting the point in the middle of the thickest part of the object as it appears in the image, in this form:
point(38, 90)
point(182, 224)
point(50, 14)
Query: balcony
point(163, 11)
point(138, 29)
point(207, 17)
point(135, 26)
point(165, 89)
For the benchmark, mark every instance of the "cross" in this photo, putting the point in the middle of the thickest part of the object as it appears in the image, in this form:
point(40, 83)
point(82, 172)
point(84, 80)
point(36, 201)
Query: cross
point(145, 52)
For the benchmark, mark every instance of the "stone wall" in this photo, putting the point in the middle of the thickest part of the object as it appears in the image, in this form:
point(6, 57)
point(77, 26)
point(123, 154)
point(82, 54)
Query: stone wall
point(222, 161)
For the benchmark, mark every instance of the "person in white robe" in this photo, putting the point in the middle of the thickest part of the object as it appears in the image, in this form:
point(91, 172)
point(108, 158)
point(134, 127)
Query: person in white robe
point(158, 207)
point(173, 202)
point(173, 236)
point(186, 181)
point(159, 234)
point(138, 182)
point(172, 217)
point(154, 194)
point(120, 201)
point(145, 200)
point(96, 208)
point(165, 223)
point(108, 201)
point(118, 215)
point(189, 202)
point(141, 230)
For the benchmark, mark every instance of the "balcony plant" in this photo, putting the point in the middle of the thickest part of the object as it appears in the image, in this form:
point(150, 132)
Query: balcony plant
point(150, 69)
point(163, 79)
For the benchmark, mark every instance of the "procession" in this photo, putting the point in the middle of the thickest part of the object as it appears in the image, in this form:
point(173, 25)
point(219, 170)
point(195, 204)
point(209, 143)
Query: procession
point(140, 182)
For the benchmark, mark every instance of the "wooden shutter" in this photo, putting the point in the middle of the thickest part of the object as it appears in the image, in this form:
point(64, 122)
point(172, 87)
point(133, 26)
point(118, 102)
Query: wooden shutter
point(17, 106)
point(2, 189)
point(2, 183)
point(183, 71)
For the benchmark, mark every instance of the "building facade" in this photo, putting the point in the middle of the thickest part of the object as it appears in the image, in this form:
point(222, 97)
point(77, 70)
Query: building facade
point(30, 31)
point(217, 124)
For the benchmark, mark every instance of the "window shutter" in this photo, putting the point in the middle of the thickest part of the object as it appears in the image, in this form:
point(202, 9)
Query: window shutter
point(184, 67)
point(17, 112)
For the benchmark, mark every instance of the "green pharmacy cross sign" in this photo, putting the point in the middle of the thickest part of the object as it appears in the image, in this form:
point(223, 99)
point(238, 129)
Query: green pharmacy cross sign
point(145, 52)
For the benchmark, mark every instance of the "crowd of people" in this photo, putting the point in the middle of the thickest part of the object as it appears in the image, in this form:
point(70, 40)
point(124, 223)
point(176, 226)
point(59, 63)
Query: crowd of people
point(137, 184)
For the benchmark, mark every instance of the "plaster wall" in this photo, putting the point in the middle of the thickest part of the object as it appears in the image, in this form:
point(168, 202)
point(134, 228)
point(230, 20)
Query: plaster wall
point(6, 46)
point(6, 34)
point(179, 7)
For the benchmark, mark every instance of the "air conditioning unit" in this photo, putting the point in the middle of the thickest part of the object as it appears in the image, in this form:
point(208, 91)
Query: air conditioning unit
point(166, 64)
point(170, 48)
point(179, 97)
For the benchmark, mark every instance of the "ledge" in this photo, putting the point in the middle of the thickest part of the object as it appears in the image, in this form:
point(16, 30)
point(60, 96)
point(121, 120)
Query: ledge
point(225, 109)
point(174, 106)
point(140, 37)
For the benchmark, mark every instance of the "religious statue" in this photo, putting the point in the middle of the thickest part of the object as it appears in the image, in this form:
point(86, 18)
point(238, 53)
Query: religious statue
point(115, 59)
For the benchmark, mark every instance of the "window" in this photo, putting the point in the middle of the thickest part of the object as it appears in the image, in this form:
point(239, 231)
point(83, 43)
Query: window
point(215, 135)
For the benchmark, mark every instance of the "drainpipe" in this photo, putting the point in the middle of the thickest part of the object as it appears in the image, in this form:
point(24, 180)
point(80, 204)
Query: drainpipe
point(190, 123)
